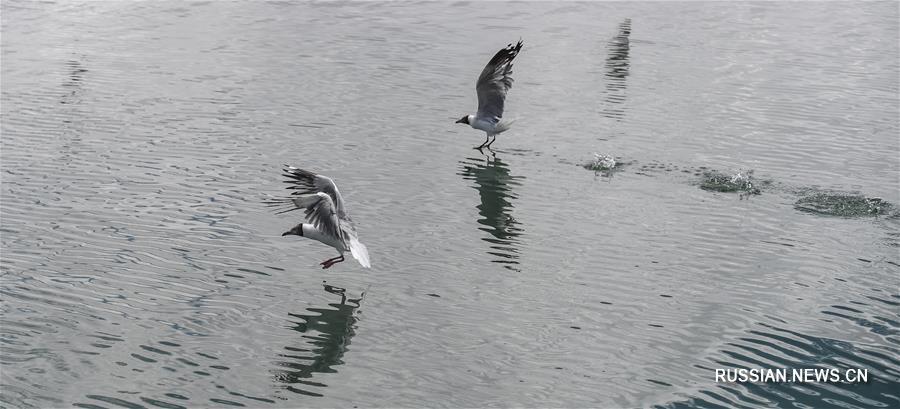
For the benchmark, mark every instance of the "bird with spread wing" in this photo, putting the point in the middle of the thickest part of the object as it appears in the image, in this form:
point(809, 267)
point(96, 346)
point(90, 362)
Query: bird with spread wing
point(327, 220)
point(492, 85)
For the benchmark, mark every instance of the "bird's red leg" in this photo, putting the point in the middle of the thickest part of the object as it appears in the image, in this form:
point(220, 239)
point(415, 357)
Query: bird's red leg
point(332, 261)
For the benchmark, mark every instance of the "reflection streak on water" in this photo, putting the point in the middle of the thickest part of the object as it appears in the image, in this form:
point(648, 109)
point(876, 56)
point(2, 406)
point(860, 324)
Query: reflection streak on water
point(326, 337)
point(495, 189)
point(617, 71)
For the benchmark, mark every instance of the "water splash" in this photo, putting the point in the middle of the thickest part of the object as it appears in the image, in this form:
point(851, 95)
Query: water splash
point(742, 182)
point(842, 204)
point(602, 163)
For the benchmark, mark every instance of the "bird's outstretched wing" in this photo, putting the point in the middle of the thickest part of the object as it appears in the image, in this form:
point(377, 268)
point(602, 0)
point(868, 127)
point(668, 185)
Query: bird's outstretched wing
point(320, 212)
point(305, 182)
point(495, 80)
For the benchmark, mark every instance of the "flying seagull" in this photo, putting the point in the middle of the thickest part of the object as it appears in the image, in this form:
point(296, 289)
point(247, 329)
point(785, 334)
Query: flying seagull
point(492, 85)
point(328, 222)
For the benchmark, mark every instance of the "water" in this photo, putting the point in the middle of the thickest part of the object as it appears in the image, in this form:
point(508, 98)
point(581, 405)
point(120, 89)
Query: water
point(140, 267)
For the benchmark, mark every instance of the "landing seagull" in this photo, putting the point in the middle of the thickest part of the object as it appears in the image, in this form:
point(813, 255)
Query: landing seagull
point(492, 85)
point(328, 223)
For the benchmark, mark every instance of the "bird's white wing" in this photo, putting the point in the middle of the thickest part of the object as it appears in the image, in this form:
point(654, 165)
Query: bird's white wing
point(320, 212)
point(495, 80)
point(306, 182)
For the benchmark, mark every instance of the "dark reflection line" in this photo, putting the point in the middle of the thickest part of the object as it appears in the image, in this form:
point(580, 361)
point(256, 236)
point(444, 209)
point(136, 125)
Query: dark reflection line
point(494, 184)
point(72, 118)
point(326, 333)
point(73, 82)
point(617, 66)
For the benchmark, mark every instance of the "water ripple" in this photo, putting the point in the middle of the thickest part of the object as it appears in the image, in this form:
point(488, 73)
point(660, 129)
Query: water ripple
point(140, 269)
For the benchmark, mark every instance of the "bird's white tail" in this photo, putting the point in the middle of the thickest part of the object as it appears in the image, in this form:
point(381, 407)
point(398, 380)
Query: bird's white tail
point(360, 252)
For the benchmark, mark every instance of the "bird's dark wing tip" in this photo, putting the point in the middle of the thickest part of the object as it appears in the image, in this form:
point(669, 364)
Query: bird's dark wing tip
point(281, 205)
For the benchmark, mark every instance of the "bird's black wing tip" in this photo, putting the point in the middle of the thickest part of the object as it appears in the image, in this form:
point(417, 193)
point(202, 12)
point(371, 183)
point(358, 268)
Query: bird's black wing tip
point(281, 205)
point(514, 49)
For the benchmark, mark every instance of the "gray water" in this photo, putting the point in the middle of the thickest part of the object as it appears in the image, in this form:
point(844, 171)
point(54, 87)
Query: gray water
point(140, 267)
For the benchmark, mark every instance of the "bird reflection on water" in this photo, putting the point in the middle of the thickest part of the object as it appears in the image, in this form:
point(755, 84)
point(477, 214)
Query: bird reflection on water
point(326, 337)
point(617, 66)
point(73, 83)
point(495, 187)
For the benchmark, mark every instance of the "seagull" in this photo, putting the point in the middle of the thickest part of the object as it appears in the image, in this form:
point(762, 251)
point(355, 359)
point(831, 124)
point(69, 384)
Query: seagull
point(328, 223)
point(491, 87)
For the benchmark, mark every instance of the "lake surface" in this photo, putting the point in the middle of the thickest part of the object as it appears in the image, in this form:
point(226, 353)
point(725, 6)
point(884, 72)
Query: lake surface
point(140, 267)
